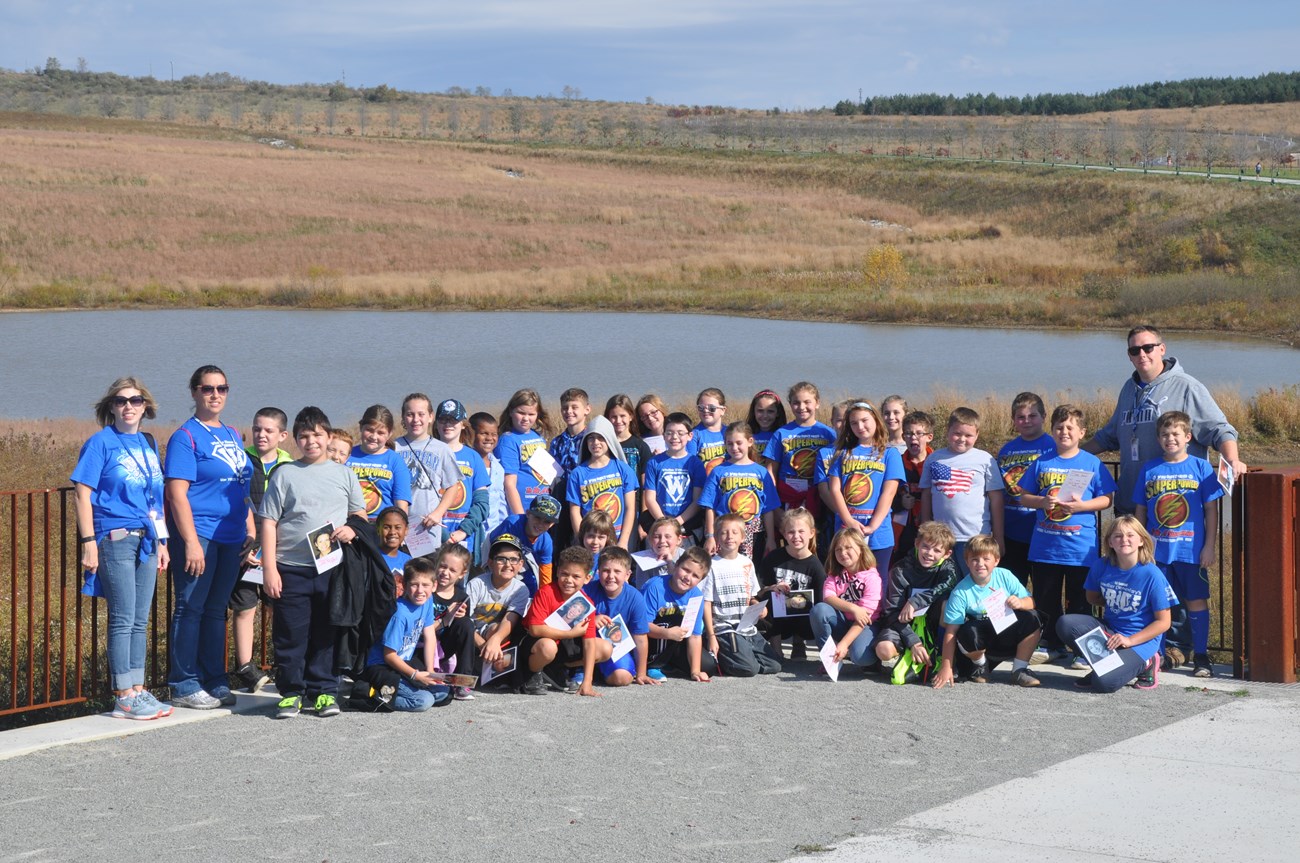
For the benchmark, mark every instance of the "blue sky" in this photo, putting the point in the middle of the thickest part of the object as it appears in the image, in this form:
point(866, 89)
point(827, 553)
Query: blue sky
point(746, 53)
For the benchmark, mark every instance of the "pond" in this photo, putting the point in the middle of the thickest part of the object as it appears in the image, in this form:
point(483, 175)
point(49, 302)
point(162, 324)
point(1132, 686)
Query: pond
point(58, 363)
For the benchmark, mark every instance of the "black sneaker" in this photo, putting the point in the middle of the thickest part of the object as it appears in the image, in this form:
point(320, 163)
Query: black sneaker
point(1149, 675)
point(980, 674)
point(536, 684)
point(251, 677)
point(1201, 666)
point(1087, 681)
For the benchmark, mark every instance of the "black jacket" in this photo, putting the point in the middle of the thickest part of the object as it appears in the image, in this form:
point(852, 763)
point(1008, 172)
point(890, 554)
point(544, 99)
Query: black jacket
point(908, 575)
point(362, 598)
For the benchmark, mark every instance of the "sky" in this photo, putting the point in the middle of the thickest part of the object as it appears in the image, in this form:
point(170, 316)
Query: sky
point(742, 53)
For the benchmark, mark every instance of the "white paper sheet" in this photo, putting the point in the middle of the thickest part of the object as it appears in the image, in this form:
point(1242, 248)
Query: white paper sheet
point(827, 655)
point(544, 466)
point(1092, 644)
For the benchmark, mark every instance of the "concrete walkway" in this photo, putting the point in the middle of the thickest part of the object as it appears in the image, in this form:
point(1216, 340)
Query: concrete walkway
point(1224, 785)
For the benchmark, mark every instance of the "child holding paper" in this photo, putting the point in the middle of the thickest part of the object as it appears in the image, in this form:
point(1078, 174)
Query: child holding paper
point(1070, 488)
point(524, 417)
point(677, 607)
point(556, 626)
point(497, 602)
point(919, 585)
point(615, 598)
point(1136, 599)
point(794, 567)
point(850, 599)
point(390, 666)
point(664, 547)
point(729, 620)
point(988, 610)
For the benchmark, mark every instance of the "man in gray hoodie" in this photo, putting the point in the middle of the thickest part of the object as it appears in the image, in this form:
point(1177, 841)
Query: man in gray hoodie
point(1159, 384)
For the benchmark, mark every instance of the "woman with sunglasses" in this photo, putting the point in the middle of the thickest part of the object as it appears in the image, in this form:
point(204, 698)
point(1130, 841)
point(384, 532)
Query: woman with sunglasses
point(119, 501)
point(208, 479)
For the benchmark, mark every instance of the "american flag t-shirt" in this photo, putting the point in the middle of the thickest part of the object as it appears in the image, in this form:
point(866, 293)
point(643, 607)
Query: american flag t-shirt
point(950, 481)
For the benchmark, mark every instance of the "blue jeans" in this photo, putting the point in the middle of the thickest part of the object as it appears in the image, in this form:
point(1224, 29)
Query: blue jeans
point(415, 699)
point(829, 622)
point(198, 631)
point(128, 585)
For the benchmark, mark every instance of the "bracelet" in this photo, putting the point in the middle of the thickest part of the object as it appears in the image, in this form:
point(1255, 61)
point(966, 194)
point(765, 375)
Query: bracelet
point(414, 672)
point(708, 536)
point(82, 540)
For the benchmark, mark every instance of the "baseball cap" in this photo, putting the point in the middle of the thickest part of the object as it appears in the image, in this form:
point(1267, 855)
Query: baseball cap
point(451, 410)
point(545, 506)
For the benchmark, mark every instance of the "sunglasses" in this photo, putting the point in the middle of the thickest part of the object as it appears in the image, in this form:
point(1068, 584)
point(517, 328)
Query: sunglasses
point(123, 401)
point(209, 389)
point(709, 409)
point(1134, 350)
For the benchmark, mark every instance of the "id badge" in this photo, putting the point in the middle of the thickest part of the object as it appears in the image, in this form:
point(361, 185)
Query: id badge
point(159, 525)
point(1133, 448)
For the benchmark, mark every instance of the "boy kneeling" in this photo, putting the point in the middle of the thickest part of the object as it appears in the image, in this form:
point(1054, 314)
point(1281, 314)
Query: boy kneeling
point(389, 667)
point(555, 654)
point(968, 617)
point(613, 597)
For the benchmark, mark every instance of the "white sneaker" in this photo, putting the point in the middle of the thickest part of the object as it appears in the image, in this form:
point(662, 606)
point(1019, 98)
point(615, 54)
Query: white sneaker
point(197, 700)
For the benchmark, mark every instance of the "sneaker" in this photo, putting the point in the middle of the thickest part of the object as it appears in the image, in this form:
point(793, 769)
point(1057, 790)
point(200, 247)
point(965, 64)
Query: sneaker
point(655, 674)
point(462, 693)
point(289, 707)
point(1148, 676)
point(1075, 662)
point(442, 695)
point(1201, 666)
point(134, 707)
point(1025, 677)
point(980, 674)
point(536, 684)
point(252, 677)
point(798, 651)
point(1041, 655)
point(326, 705)
point(224, 695)
point(575, 680)
point(164, 710)
point(889, 663)
point(1087, 681)
point(1173, 658)
point(196, 700)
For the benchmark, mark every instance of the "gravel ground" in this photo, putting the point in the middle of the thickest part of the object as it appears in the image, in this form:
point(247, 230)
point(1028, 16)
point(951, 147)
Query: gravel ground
point(735, 770)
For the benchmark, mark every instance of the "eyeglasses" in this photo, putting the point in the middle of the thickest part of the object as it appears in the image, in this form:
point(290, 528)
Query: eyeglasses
point(1134, 350)
point(709, 409)
point(123, 401)
point(508, 560)
point(916, 433)
point(676, 433)
point(209, 389)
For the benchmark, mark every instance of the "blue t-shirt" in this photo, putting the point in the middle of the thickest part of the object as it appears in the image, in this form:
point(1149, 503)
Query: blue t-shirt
point(602, 488)
point(220, 475)
point(1131, 598)
point(403, 631)
point(124, 477)
point(1069, 540)
point(708, 446)
point(539, 555)
point(629, 603)
point(1014, 459)
point(1175, 495)
point(384, 477)
point(966, 602)
point(861, 473)
point(666, 606)
point(674, 480)
point(473, 478)
point(793, 448)
point(514, 450)
point(744, 489)
point(397, 562)
point(822, 466)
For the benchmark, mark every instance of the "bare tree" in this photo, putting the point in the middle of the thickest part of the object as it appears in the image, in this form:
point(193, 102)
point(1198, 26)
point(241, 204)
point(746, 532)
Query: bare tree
point(363, 114)
point(546, 120)
point(426, 111)
point(394, 118)
point(578, 127)
point(515, 115)
point(236, 110)
point(169, 108)
point(110, 105)
point(140, 107)
point(1176, 140)
point(1280, 146)
point(1081, 143)
point(82, 66)
point(331, 116)
point(1211, 144)
point(1243, 148)
point(453, 119)
point(267, 112)
point(297, 116)
point(608, 125)
point(1111, 141)
point(1146, 139)
point(633, 129)
point(485, 121)
point(987, 136)
point(203, 110)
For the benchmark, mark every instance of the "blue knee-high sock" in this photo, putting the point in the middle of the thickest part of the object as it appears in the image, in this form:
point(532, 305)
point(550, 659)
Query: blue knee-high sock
point(1199, 621)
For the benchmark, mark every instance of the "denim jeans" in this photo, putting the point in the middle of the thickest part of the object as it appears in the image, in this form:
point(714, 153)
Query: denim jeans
point(830, 622)
point(128, 585)
point(415, 699)
point(198, 631)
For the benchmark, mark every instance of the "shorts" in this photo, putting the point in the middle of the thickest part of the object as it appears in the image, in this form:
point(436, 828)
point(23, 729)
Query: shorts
point(627, 662)
point(1188, 580)
point(246, 595)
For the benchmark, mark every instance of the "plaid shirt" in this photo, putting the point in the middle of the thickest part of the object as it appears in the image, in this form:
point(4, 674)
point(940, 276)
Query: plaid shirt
point(733, 584)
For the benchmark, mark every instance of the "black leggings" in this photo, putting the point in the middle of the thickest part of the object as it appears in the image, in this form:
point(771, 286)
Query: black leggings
point(1048, 579)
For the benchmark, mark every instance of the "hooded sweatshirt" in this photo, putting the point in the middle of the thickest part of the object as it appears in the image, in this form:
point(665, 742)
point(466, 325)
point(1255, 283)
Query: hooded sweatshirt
point(1132, 428)
point(604, 487)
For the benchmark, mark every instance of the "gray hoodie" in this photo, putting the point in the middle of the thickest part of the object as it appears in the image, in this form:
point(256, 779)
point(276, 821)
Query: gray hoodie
point(1136, 412)
point(601, 426)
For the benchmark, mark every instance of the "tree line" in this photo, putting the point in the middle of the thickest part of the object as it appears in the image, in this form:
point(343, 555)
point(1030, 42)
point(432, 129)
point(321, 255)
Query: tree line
point(1188, 93)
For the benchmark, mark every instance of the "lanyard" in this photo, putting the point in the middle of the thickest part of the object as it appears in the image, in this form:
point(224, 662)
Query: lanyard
point(143, 464)
point(239, 472)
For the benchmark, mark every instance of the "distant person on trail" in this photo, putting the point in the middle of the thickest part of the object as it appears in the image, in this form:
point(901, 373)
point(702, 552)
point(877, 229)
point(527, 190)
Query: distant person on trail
point(1158, 385)
point(1259, 166)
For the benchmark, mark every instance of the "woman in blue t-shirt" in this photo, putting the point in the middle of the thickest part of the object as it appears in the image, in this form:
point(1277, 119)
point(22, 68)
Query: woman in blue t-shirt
point(119, 498)
point(208, 480)
point(1136, 600)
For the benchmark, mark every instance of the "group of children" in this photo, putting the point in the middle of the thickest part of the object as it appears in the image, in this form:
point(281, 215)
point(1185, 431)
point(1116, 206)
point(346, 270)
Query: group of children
point(632, 545)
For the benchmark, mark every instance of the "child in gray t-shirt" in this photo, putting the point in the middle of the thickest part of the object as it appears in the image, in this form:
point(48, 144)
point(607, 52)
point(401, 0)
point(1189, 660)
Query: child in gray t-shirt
point(961, 486)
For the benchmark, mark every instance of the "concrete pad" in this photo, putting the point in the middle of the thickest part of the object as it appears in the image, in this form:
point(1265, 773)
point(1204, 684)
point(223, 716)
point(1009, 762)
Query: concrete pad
point(103, 726)
point(1218, 786)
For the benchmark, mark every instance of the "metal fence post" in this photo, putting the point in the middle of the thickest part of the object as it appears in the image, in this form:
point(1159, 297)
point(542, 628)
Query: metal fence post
point(1270, 557)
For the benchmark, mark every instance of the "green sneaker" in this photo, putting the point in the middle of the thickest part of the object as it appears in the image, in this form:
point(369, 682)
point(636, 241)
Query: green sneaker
point(326, 705)
point(289, 707)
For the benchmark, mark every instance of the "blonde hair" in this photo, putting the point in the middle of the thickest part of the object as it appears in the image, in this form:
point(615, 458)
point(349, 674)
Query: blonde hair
point(800, 513)
point(866, 560)
point(1146, 554)
point(981, 545)
point(104, 407)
